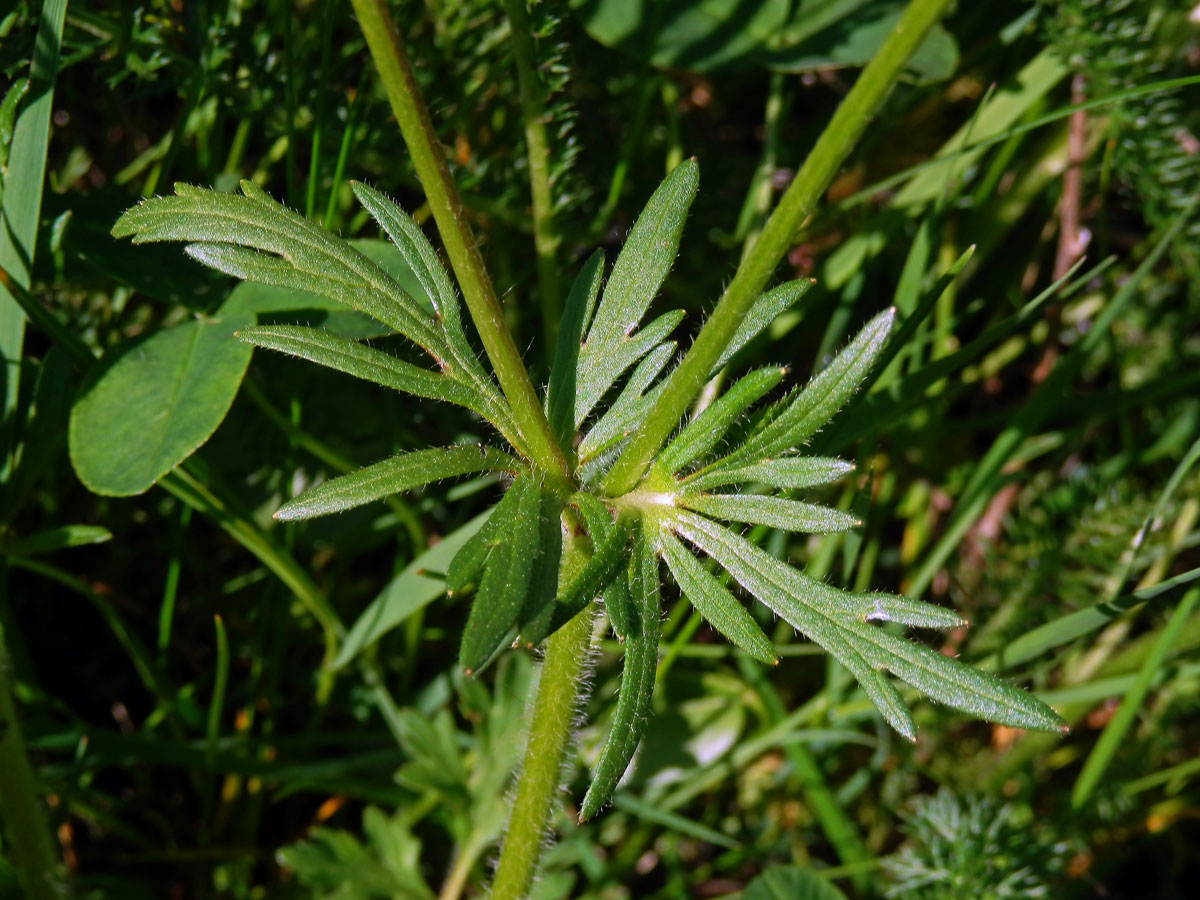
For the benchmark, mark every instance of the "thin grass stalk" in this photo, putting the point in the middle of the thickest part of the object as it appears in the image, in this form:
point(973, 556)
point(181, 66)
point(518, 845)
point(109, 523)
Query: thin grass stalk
point(545, 238)
point(819, 169)
point(448, 211)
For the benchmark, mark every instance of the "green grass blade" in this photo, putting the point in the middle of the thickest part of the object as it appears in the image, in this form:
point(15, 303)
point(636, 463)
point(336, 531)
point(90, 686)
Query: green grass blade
point(1118, 726)
point(1072, 626)
point(409, 592)
point(21, 209)
point(718, 607)
point(400, 473)
point(984, 480)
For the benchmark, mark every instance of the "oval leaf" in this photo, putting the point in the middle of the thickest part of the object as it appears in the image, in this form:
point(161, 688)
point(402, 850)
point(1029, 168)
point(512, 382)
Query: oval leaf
point(154, 403)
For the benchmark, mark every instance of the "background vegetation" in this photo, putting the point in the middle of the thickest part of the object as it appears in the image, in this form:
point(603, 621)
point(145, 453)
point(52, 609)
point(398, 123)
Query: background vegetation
point(1027, 458)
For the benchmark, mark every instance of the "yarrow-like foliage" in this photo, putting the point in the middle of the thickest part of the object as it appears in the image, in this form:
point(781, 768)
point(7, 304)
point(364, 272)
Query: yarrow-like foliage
point(731, 465)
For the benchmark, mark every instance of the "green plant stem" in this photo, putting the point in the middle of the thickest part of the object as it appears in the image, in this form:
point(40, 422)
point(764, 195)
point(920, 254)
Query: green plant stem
point(552, 721)
point(450, 215)
point(545, 239)
point(819, 169)
point(30, 846)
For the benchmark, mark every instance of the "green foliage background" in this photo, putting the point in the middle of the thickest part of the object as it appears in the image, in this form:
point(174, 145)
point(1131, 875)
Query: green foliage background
point(191, 759)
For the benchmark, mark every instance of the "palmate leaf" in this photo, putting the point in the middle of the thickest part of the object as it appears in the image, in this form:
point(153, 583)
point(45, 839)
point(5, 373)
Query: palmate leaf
point(400, 473)
point(577, 314)
point(840, 623)
point(609, 545)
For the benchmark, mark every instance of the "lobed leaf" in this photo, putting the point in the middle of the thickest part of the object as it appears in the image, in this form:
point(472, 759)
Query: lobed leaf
point(636, 277)
point(799, 419)
point(598, 521)
point(774, 512)
point(637, 679)
point(705, 431)
point(255, 238)
point(785, 473)
point(710, 598)
point(462, 574)
point(507, 569)
point(838, 623)
point(629, 407)
point(400, 473)
point(596, 376)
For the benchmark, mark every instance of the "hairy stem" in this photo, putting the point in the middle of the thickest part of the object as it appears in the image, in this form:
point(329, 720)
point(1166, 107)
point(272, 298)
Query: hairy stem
point(551, 724)
point(819, 169)
point(545, 239)
point(450, 215)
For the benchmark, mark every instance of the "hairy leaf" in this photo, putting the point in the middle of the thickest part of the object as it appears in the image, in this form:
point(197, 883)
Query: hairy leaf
point(577, 313)
point(761, 314)
point(786, 473)
point(607, 555)
point(706, 430)
point(774, 512)
point(710, 598)
point(419, 254)
point(637, 679)
point(597, 375)
point(822, 613)
point(506, 575)
point(255, 238)
point(400, 473)
point(626, 411)
point(372, 365)
point(543, 580)
point(797, 421)
point(637, 274)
